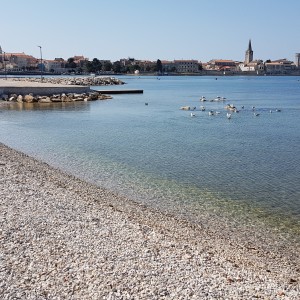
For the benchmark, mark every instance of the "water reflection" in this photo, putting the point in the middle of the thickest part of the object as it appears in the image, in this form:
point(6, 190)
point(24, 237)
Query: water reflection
point(53, 106)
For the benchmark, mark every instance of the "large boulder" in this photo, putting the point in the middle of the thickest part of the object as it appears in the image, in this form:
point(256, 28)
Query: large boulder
point(45, 100)
point(29, 98)
point(55, 98)
point(13, 98)
point(20, 99)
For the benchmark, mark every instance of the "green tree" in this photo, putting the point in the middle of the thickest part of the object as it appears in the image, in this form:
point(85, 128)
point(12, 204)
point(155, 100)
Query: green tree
point(134, 67)
point(88, 67)
point(96, 65)
point(71, 63)
point(159, 66)
point(116, 67)
point(107, 66)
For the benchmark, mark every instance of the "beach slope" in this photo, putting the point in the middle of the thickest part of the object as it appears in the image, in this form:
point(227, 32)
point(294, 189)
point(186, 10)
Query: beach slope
point(62, 238)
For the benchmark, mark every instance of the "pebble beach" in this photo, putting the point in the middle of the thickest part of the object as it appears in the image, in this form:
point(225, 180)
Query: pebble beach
point(63, 238)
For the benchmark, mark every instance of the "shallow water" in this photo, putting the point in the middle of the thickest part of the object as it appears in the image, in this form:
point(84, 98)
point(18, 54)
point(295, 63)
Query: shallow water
point(160, 155)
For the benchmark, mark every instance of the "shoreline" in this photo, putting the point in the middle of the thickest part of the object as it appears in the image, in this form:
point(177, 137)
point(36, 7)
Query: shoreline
point(63, 237)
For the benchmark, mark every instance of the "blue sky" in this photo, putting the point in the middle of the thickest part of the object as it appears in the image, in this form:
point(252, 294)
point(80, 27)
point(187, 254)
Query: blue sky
point(151, 29)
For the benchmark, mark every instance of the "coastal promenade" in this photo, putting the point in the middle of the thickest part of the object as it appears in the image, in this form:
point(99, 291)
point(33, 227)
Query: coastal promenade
point(63, 238)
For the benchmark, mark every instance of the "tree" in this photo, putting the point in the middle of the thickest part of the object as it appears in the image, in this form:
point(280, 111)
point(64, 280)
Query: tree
point(134, 67)
point(89, 67)
point(96, 65)
point(107, 66)
point(71, 63)
point(159, 66)
point(116, 67)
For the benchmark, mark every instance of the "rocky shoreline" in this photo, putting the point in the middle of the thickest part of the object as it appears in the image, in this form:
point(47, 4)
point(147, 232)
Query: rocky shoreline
point(69, 97)
point(63, 238)
point(83, 81)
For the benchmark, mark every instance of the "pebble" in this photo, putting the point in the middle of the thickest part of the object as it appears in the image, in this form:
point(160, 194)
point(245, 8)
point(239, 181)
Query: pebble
point(62, 238)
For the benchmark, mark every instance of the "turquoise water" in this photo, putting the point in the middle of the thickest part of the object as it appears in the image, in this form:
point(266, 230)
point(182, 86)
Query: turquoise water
point(160, 155)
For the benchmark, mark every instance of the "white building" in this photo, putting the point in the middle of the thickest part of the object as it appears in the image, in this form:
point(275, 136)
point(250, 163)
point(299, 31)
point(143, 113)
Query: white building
point(55, 66)
point(253, 66)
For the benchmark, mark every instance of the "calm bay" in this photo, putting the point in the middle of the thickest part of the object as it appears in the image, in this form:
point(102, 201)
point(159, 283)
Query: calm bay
point(246, 168)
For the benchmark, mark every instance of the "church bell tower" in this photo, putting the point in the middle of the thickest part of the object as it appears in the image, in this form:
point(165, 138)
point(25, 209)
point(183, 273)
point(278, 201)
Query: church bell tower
point(249, 54)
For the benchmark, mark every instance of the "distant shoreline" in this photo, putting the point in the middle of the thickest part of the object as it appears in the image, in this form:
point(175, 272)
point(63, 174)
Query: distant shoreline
point(202, 73)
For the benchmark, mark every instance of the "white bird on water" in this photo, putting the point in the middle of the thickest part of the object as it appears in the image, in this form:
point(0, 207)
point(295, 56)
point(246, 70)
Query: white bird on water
point(228, 115)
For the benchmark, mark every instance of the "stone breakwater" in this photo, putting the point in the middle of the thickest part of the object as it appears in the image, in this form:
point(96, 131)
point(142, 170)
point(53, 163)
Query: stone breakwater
point(62, 238)
point(83, 81)
point(69, 97)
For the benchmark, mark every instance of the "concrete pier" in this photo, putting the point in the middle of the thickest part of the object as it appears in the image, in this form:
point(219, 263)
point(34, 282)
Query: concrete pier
point(38, 88)
point(9, 87)
point(120, 91)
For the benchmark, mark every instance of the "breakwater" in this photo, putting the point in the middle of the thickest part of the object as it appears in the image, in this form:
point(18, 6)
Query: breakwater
point(63, 97)
point(82, 81)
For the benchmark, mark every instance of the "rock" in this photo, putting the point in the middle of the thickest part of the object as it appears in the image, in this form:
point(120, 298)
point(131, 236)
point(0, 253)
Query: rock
point(94, 95)
point(13, 99)
point(4, 97)
point(84, 81)
point(70, 97)
point(55, 99)
point(45, 100)
point(28, 98)
point(20, 99)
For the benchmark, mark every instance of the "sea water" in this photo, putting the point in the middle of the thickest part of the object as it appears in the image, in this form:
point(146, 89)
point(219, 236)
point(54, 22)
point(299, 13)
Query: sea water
point(145, 147)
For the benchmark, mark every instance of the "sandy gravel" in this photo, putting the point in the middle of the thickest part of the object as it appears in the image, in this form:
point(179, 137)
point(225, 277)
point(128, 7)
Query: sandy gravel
point(62, 238)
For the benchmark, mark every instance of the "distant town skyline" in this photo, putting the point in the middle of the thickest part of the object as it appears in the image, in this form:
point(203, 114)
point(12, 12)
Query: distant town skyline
point(165, 30)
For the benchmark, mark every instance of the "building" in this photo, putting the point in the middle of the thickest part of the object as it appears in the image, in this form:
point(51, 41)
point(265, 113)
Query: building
point(254, 66)
point(186, 66)
point(55, 66)
point(221, 65)
point(80, 60)
point(249, 54)
point(168, 66)
point(297, 60)
point(280, 66)
point(21, 61)
point(146, 65)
